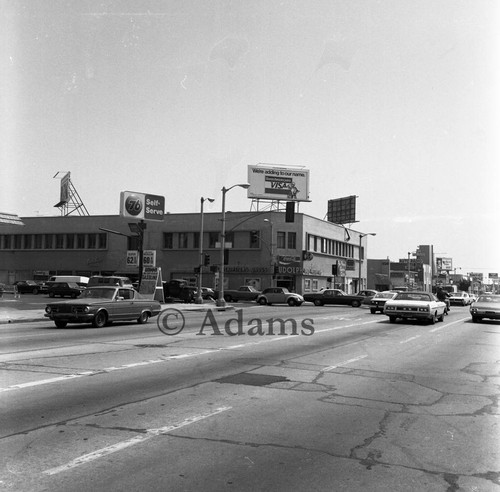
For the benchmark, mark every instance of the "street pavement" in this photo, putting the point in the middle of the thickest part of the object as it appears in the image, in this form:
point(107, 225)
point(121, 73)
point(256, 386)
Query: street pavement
point(22, 309)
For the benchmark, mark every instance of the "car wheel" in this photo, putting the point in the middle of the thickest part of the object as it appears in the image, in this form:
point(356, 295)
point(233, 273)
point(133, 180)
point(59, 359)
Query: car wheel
point(100, 319)
point(73, 296)
point(373, 311)
point(35, 291)
point(262, 301)
point(433, 319)
point(392, 319)
point(476, 319)
point(355, 303)
point(292, 302)
point(51, 294)
point(318, 302)
point(441, 318)
point(143, 318)
point(61, 324)
point(228, 298)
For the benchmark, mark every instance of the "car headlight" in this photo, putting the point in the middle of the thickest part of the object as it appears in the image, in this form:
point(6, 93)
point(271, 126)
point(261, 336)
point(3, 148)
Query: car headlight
point(424, 309)
point(86, 309)
point(390, 308)
point(48, 309)
point(473, 310)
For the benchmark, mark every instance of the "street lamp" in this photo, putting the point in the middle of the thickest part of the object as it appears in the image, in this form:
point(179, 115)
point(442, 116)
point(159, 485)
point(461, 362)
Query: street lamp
point(361, 236)
point(220, 300)
point(271, 250)
point(199, 297)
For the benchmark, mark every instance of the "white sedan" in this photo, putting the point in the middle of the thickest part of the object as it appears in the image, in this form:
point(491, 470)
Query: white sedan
point(415, 305)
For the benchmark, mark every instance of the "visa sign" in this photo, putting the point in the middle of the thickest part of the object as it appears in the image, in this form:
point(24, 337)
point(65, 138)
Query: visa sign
point(135, 205)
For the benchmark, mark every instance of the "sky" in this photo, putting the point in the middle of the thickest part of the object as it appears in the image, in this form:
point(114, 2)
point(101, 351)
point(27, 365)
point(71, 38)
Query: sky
point(394, 101)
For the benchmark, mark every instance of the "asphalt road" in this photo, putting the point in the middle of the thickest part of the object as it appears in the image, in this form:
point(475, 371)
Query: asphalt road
point(359, 404)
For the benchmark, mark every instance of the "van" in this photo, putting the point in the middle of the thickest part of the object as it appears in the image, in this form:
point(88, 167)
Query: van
point(98, 280)
point(76, 279)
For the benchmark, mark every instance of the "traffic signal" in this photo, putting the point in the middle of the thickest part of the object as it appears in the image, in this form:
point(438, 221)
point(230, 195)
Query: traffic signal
point(207, 260)
point(335, 269)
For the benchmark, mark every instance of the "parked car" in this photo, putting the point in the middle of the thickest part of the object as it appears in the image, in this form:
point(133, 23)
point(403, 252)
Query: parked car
point(179, 289)
point(243, 293)
point(103, 305)
point(472, 297)
point(279, 295)
point(28, 287)
point(109, 280)
point(415, 305)
point(333, 296)
point(459, 299)
point(486, 306)
point(378, 301)
point(64, 289)
point(207, 293)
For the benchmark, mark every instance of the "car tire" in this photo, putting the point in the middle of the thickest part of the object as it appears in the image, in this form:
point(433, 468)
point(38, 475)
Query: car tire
point(100, 319)
point(318, 302)
point(432, 321)
point(291, 302)
point(373, 311)
point(441, 318)
point(262, 301)
point(73, 296)
point(143, 318)
point(61, 324)
point(35, 291)
point(356, 303)
point(476, 319)
point(392, 319)
point(51, 294)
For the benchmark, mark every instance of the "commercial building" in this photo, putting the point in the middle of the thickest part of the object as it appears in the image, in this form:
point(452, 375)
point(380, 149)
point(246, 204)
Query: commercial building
point(262, 249)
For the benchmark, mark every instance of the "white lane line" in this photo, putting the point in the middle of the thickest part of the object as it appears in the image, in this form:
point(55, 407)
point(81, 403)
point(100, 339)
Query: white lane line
point(410, 339)
point(449, 324)
point(345, 362)
point(88, 458)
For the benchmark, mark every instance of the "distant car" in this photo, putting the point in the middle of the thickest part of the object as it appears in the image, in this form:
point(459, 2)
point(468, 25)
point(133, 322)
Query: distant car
point(243, 293)
point(486, 306)
point(63, 289)
point(279, 295)
point(207, 293)
point(459, 299)
point(103, 305)
point(415, 305)
point(367, 294)
point(378, 301)
point(333, 296)
point(28, 287)
point(472, 297)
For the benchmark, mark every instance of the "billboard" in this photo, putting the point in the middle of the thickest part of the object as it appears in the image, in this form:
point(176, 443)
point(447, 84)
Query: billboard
point(444, 264)
point(278, 183)
point(342, 210)
point(64, 195)
point(135, 205)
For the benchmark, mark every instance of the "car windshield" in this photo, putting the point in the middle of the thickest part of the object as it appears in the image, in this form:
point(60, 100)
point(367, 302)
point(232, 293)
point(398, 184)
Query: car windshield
point(412, 296)
point(493, 299)
point(98, 293)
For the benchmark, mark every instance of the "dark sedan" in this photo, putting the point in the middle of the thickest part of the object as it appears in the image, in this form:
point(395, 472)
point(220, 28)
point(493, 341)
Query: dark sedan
point(103, 305)
point(27, 287)
point(333, 296)
point(64, 289)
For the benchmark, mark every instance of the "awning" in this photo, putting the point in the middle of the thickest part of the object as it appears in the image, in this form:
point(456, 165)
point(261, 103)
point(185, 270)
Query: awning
point(10, 219)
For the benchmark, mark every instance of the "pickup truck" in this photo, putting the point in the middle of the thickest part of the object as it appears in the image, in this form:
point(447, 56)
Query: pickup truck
point(178, 290)
point(243, 293)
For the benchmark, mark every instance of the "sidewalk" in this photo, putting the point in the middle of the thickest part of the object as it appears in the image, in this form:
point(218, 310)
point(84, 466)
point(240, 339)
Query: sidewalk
point(14, 310)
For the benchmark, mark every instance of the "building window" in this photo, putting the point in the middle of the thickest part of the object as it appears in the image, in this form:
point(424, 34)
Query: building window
point(229, 241)
point(133, 243)
point(59, 241)
point(80, 241)
point(70, 241)
point(183, 240)
point(38, 241)
point(281, 240)
point(92, 242)
point(292, 240)
point(27, 241)
point(102, 241)
point(168, 240)
point(49, 241)
point(196, 240)
point(213, 239)
point(18, 241)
